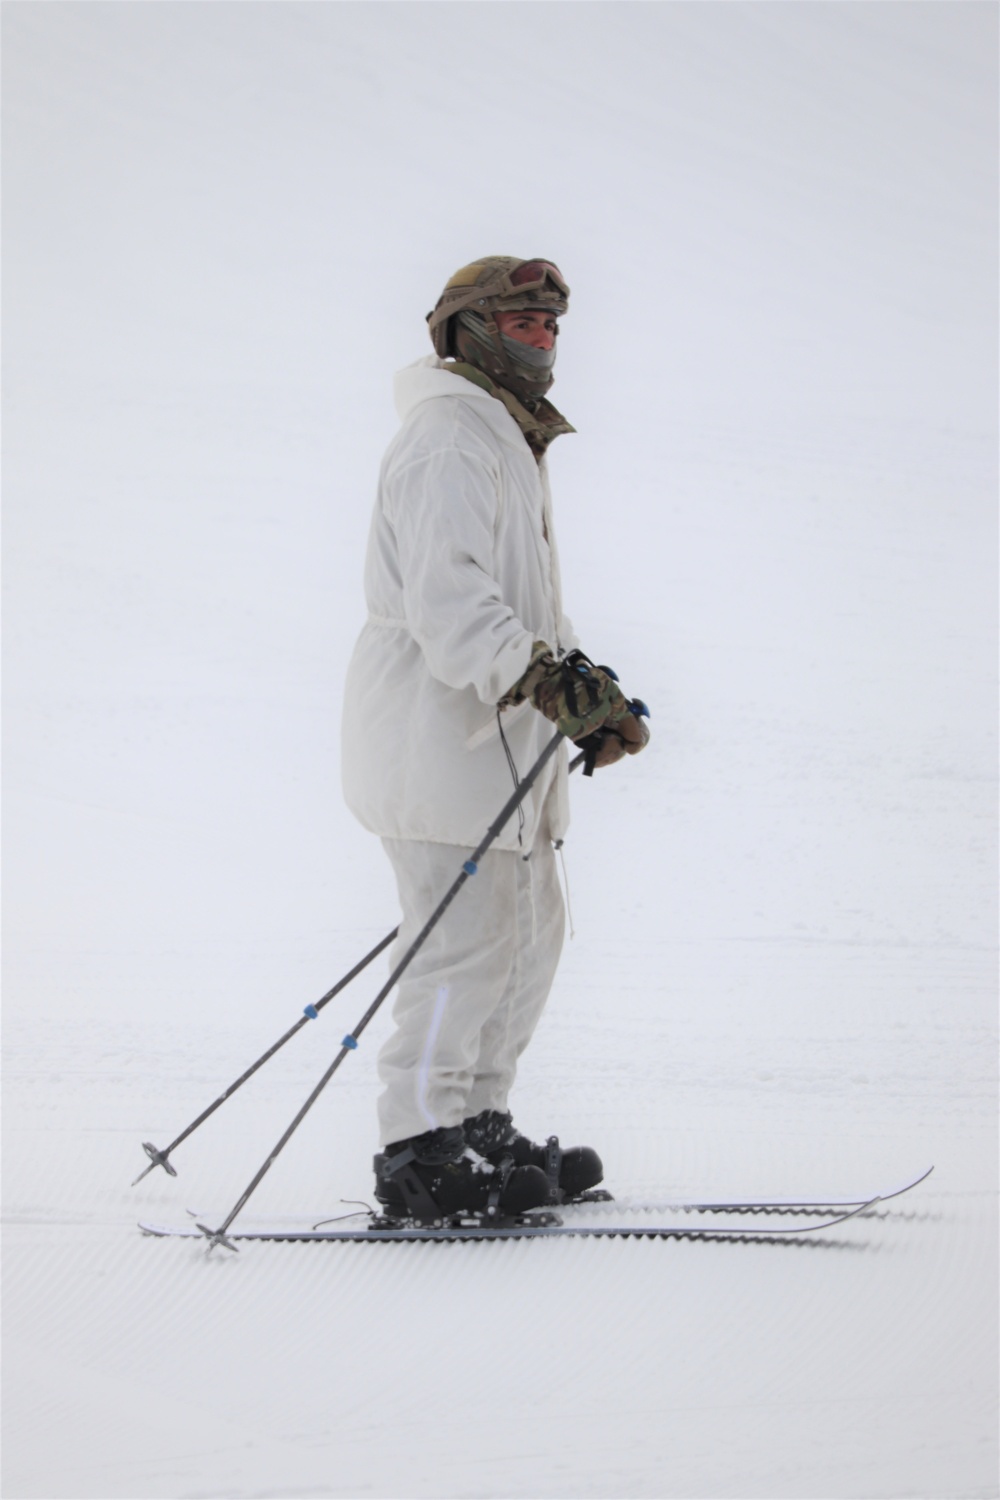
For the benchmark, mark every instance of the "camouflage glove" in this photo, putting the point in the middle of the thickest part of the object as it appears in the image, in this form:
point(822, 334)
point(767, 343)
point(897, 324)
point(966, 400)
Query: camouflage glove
point(580, 698)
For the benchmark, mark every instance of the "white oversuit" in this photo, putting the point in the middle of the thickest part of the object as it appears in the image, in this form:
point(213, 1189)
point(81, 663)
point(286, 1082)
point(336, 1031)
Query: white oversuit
point(470, 1000)
point(461, 578)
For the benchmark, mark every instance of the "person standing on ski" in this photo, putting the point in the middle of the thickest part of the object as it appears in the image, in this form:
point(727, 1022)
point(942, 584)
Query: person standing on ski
point(464, 664)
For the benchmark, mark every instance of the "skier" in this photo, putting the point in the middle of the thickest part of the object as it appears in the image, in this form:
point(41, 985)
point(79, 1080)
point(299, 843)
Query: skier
point(463, 666)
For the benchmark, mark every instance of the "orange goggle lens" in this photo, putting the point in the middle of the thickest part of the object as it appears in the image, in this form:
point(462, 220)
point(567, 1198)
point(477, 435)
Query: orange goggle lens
point(535, 273)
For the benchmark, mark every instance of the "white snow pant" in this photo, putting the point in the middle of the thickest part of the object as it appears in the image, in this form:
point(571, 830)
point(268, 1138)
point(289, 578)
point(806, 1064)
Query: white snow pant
point(470, 1000)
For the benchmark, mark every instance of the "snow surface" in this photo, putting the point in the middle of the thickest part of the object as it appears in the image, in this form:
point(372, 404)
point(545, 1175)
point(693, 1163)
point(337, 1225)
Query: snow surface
point(224, 224)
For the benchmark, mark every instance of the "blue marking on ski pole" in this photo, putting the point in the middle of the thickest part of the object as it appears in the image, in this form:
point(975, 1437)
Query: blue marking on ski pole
point(350, 1043)
point(311, 1012)
point(470, 867)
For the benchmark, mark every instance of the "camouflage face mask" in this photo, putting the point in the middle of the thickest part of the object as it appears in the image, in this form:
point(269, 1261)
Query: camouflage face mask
point(527, 355)
point(524, 371)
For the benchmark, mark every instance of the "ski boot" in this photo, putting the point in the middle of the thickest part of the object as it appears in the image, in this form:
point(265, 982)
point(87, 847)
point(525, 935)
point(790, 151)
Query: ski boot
point(570, 1174)
point(435, 1176)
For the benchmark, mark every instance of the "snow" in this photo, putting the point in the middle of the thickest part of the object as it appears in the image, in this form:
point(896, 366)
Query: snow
point(223, 227)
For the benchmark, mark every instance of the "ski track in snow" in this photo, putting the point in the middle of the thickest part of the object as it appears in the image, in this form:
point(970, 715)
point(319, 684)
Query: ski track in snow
point(779, 1348)
point(694, 1368)
point(222, 226)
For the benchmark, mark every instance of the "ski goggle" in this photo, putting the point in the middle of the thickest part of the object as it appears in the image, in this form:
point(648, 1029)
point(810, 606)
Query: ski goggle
point(532, 276)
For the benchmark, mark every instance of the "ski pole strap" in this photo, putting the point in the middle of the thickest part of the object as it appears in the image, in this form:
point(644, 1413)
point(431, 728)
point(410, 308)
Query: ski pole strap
point(591, 743)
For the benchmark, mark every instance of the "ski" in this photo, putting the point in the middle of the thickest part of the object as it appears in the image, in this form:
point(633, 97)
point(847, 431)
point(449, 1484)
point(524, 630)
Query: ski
point(790, 1206)
point(542, 1226)
point(589, 1206)
point(829, 1213)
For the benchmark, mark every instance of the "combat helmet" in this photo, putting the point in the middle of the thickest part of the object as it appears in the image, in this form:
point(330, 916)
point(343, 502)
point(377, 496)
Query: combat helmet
point(496, 283)
point(463, 324)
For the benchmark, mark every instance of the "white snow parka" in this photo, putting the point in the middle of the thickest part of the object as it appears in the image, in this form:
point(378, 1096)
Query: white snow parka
point(461, 578)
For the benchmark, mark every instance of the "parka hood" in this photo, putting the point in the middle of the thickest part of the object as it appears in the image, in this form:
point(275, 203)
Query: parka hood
point(426, 380)
point(430, 378)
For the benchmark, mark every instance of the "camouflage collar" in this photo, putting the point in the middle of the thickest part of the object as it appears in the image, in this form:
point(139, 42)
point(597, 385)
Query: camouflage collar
point(539, 426)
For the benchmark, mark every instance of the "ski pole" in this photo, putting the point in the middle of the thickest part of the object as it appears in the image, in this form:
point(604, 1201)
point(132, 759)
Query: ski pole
point(159, 1158)
point(350, 1042)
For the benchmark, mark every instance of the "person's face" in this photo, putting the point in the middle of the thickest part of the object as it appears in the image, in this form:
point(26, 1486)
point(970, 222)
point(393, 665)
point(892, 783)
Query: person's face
point(538, 329)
